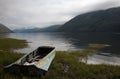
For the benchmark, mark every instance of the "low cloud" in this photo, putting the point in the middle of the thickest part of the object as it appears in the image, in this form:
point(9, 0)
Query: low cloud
point(41, 13)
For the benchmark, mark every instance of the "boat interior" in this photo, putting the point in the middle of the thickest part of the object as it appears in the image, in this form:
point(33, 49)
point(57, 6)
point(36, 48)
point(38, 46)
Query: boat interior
point(36, 55)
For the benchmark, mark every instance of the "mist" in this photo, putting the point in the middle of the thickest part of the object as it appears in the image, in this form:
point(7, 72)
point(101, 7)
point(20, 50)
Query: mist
point(17, 14)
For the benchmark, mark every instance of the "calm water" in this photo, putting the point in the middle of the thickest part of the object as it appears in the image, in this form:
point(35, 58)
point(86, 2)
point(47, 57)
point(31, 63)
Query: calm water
point(64, 41)
point(41, 39)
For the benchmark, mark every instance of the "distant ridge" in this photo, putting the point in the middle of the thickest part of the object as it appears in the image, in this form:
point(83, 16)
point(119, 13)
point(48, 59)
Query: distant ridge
point(4, 29)
point(52, 28)
point(97, 21)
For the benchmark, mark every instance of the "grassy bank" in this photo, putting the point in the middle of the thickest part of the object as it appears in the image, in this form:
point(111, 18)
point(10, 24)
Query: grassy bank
point(66, 65)
point(7, 56)
point(8, 44)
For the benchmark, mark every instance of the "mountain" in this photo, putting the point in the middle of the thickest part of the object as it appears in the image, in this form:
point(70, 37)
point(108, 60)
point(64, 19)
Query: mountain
point(23, 30)
point(52, 28)
point(97, 21)
point(4, 29)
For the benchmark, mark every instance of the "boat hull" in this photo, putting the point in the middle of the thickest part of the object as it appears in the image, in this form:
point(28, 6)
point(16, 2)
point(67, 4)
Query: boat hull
point(25, 70)
point(37, 68)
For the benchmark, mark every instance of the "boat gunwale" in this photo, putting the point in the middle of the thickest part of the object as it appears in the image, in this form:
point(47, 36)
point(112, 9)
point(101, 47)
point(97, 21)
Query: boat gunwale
point(24, 56)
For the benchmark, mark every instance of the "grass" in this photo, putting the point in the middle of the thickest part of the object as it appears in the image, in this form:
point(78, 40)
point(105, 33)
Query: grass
point(9, 44)
point(66, 65)
point(7, 56)
point(98, 46)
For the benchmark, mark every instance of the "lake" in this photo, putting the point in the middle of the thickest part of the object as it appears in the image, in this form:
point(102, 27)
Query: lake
point(70, 41)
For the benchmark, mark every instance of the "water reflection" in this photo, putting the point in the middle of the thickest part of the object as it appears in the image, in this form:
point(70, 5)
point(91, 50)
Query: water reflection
point(108, 55)
point(101, 59)
point(70, 41)
point(73, 41)
point(82, 40)
point(42, 39)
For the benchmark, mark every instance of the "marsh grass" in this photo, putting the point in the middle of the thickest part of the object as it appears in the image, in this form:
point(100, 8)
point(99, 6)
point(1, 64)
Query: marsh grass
point(9, 44)
point(66, 64)
point(7, 56)
point(79, 70)
point(98, 46)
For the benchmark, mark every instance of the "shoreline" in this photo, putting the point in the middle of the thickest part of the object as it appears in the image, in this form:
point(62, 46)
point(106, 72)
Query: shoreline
point(65, 64)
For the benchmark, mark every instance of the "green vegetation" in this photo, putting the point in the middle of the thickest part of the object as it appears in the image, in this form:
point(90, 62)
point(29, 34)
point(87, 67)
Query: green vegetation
point(7, 56)
point(98, 46)
point(66, 65)
point(9, 44)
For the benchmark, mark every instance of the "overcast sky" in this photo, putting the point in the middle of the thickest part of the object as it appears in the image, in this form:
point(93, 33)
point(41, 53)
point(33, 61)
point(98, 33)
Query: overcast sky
point(41, 13)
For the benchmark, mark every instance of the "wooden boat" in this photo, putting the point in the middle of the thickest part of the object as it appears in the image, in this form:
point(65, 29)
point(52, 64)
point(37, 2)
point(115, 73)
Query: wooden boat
point(35, 63)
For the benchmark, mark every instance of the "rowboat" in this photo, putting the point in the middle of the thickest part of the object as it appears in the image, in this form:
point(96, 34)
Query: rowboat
point(35, 63)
